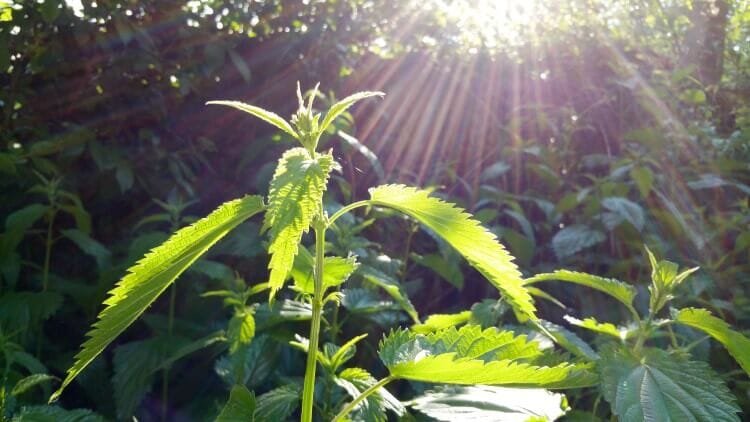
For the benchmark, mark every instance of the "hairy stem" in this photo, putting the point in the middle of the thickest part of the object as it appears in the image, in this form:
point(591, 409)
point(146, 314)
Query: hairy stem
point(317, 311)
point(346, 209)
point(349, 407)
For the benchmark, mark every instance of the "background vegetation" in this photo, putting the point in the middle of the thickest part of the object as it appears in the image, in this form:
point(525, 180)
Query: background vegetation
point(578, 131)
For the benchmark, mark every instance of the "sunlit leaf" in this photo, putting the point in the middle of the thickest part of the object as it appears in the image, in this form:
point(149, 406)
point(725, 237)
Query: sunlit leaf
point(615, 288)
point(479, 246)
point(148, 278)
point(343, 105)
point(265, 115)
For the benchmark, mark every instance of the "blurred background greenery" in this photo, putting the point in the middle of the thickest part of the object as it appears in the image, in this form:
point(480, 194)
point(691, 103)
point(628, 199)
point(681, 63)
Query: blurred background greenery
point(578, 130)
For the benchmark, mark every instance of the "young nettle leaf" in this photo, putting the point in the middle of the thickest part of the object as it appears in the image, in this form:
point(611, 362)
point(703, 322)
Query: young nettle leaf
point(663, 387)
point(148, 278)
point(341, 106)
point(277, 404)
point(436, 322)
point(701, 319)
point(615, 288)
point(465, 234)
point(241, 329)
point(621, 333)
point(337, 271)
point(240, 407)
point(471, 355)
point(664, 279)
point(265, 115)
point(294, 200)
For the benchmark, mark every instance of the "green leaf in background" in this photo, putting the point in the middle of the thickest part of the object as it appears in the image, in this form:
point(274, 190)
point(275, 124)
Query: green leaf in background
point(487, 403)
point(643, 178)
point(626, 210)
point(471, 355)
point(295, 195)
point(57, 414)
point(240, 407)
point(661, 387)
point(148, 278)
point(623, 292)
point(241, 329)
point(479, 246)
point(569, 341)
point(260, 113)
point(278, 404)
point(90, 247)
point(355, 381)
point(392, 287)
point(17, 223)
point(573, 239)
point(31, 381)
point(701, 319)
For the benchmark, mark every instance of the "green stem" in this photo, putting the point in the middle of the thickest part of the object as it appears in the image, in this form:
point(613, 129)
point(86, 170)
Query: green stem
point(349, 407)
point(48, 250)
point(317, 311)
point(346, 209)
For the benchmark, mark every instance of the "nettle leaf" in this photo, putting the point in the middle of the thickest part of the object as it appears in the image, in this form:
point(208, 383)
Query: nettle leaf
point(278, 404)
point(626, 210)
point(478, 245)
point(150, 276)
point(31, 381)
point(487, 403)
point(615, 288)
point(437, 322)
point(355, 381)
point(260, 113)
point(570, 341)
point(337, 271)
point(343, 105)
point(392, 287)
point(294, 199)
point(663, 387)
point(471, 355)
point(701, 319)
point(240, 407)
point(241, 329)
point(57, 414)
point(573, 239)
point(607, 328)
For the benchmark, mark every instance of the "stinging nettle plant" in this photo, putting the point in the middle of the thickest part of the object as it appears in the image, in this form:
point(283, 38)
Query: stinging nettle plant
point(435, 351)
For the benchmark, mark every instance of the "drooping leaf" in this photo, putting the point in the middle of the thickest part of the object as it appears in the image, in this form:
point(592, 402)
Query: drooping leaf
point(240, 407)
point(355, 381)
point(343, 105)
point(615, 288)
point(366, 152)
point(27, 309)
point(702, 319)
point(294, 199)
point(592, 324)
point(471, 355)
point(487, 403)
point(148, 278)
point(392, 287)
point(277, 404)
point(17, 223)
point(260, 113)
point(662, 387)
point(31, 381)
point(286, 310)
point(479, 246)
point(573, 239)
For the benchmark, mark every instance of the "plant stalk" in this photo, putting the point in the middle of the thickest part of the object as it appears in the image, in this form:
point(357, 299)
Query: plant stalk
point(317, 312)
point(48, 250)
point(349, 407)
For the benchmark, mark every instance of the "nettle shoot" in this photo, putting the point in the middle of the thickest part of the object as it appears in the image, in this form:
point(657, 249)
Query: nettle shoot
point(474, 365)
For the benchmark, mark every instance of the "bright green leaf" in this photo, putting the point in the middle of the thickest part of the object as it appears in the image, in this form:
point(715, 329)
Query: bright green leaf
point(148, 278)
point(615, 288)
point(479, 246)
point(265, 115)
point(701, 319)
point(240, 407)
point(343, 105)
